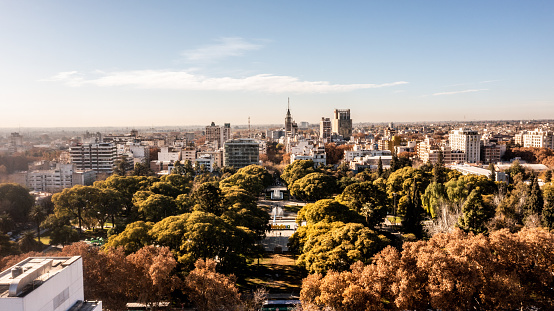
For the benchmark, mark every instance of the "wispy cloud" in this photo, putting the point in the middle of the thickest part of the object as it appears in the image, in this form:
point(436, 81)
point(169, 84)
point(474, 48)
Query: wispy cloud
point(225, 47)
point(183, 80)
point(459, 92)
point(488, 81)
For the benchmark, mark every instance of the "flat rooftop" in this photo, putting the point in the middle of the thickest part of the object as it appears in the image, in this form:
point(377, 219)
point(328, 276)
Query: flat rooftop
point(25, 276)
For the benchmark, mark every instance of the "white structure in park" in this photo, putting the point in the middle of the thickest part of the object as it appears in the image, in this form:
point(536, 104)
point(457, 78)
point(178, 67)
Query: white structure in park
point(45, 284)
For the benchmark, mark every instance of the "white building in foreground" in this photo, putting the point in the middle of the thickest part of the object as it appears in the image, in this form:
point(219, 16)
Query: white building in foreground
point(45, 284)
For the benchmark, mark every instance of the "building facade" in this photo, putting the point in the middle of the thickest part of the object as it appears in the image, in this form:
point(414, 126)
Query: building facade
point(468, 141)
point(45, 284)
point(538, 139)
point(242, 152)
point(218, 135)
point(99, 157)
point(341, 123)
point(325, 128)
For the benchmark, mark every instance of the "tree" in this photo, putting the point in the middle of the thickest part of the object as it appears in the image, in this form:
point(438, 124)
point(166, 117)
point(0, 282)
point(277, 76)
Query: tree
point(534, 202)
point(134, 237)
point(492, 175)
point(475, 213)
point(451, 271)
point(327, 210)
point(548, 210)
point(154, 279)
point(205, 235)
point(338, 245)
point(297, 170)
point(16, 201)
point(439, 175)
point(368, 199)
point(412, 217)
point(142, 169)
point(37, 215)
point(380, 167)
point(156, 207)
point(314, 186)
point(211, 291)
point(61, 231)
point(208, 196)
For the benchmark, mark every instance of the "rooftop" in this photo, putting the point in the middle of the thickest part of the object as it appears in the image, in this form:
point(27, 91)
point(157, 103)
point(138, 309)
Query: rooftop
point(25, 276)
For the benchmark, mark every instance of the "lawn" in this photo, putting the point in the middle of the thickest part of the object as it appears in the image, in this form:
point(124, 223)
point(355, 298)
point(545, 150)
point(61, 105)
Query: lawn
point(292, 208)
point(44, 239)
point(276, 272)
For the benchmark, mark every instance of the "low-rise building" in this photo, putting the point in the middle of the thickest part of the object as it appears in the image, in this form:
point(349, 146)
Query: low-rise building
point(45, 284)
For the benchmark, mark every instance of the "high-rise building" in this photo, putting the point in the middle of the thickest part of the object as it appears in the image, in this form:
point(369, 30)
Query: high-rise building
point(290, 126)
point(341, 123)
point(218, 135)
point(241, 152)
point(468, 141)
point(325, 128)
point(99, 157)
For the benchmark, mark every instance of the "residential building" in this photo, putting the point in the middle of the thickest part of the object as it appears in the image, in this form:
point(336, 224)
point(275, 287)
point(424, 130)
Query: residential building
point(58, 178)
point(325, 128)
point(218, 135)
point(341, 123)
point(45, 284)
point(99, 157)
point(241, 152)
point(169, 154)
point(538, 139)
point(467, 141)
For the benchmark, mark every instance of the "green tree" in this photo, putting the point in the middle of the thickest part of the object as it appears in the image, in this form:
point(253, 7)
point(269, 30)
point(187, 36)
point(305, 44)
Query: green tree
point(297, 170)
point(16, 201)
point(434, 196)
point(413, 213)
point(368, 199)
point(142, 169)
point(534, 202)
point(37, 215)
point(327, 210)
point(492, 175)
point(548, 210)
point(475, 213)
point(198, 235)
point(208, 196)
point(439, 175)
point(134, 237)
point(314, 186)
point(156, 207)
point(338, 245)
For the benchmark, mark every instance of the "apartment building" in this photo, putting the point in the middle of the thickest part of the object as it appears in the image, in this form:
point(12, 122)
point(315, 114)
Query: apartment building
point(218, 135)
point(99, 157)
point(341, 123)
point(538, 139)
point(241, 152)
point(468, 141)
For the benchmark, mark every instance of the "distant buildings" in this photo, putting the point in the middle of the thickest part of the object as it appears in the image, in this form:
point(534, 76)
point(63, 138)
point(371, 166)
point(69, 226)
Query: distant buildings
point(325, 129)
point(45, 284)
point(341, 123)
point(241, 152)
point(538, 139)
point(60, 176)
point(218, 135)
point(290, 126)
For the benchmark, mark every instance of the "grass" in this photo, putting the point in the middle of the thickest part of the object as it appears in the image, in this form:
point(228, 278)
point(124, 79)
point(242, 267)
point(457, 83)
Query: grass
point(292, 208)
point(44, 239)
point(276, 272)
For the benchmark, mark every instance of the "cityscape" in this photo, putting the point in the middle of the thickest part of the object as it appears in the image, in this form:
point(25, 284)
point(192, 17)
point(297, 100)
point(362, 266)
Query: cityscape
point(257, 156)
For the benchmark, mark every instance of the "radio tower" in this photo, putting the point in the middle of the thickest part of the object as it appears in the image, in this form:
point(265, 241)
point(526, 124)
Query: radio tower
point(249, 127)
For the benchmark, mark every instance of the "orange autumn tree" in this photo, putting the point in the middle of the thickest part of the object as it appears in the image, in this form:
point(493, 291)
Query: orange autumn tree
point(451, 271)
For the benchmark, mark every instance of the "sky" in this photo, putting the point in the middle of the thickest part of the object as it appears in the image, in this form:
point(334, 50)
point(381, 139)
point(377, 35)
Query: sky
point(179, 63)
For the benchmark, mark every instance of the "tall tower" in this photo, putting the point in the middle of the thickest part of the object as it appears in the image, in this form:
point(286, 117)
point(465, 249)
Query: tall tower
point(290, 125)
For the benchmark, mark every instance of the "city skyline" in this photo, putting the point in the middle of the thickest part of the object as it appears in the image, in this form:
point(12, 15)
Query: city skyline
point(134, 63)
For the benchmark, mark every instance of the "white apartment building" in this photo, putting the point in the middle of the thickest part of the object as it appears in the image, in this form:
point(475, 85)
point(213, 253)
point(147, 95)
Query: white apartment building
point(538, 139)
point(428, 151)
point(169, 154)
point(99, 157)
point(359, 164)
point(205, 160)
point(45, 284)
point(468, 141)
point(61, 177)
point(350, 155)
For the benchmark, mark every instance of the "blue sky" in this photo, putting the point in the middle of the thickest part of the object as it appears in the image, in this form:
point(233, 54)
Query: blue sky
point(140, 63)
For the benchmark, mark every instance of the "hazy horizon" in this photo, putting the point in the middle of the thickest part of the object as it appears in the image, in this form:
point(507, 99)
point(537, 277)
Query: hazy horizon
point(143, 64)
